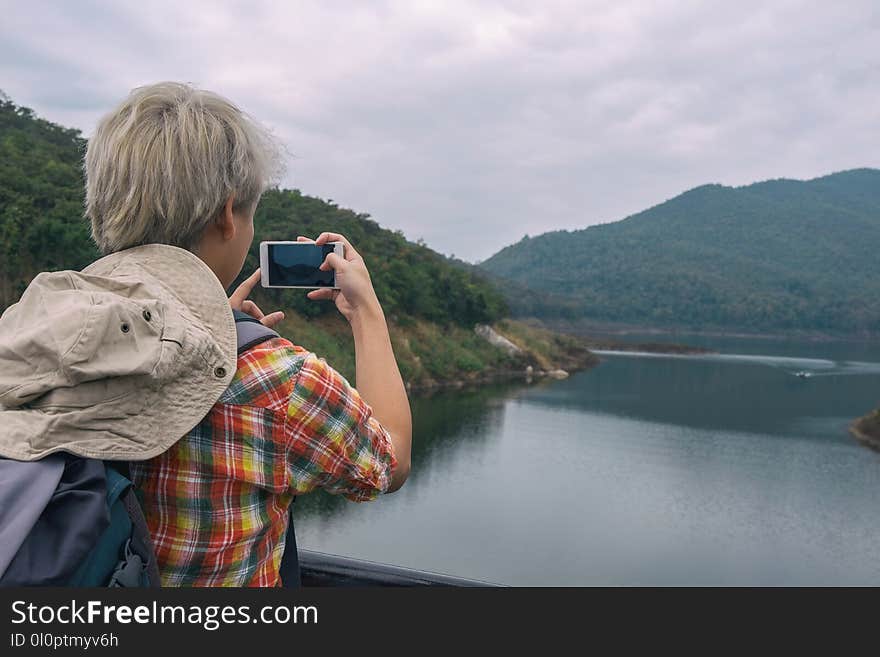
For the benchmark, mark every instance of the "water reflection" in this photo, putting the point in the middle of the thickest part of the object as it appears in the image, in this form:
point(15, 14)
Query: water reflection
point(710, 470)
point(444, 420)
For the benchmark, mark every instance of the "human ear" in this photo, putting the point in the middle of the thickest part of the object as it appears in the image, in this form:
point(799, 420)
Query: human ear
point(226, 220)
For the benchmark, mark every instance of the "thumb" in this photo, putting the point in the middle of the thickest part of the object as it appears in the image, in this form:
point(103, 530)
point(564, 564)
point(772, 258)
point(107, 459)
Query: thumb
point(334, 262)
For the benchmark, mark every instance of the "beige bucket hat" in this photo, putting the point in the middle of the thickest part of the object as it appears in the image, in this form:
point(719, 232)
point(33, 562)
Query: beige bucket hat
point(118, 361)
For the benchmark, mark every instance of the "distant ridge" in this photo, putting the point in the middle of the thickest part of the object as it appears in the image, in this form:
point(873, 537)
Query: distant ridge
point(777, 255)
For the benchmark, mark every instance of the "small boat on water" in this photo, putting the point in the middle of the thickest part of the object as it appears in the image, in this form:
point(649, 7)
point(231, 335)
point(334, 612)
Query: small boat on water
point(802, 374)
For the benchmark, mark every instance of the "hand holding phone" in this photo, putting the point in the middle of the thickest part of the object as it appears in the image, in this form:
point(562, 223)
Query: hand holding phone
point(298, 264)
point(354, 295)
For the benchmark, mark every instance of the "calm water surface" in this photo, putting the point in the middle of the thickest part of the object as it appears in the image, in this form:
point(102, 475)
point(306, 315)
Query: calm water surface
point(723, 469)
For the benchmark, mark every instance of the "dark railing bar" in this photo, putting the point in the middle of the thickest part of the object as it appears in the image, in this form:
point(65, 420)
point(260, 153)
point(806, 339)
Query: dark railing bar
point(322, 569)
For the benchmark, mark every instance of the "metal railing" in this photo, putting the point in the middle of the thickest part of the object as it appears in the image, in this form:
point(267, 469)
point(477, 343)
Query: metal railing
point(320, 569)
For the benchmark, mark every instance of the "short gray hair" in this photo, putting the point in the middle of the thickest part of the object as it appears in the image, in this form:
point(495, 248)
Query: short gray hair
point(160, 167)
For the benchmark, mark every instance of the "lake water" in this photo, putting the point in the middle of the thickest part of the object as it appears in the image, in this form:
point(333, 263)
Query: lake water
point(647, 470)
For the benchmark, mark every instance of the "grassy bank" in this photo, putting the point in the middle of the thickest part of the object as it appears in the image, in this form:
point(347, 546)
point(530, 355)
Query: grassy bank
point(867, 429)
point(431, 355)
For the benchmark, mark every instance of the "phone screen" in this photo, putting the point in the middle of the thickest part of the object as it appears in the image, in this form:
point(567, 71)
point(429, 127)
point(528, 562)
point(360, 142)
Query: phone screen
point(297, 265)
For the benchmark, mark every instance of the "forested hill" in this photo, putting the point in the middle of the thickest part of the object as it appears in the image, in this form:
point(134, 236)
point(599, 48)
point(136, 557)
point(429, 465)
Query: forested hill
point(42, 228)
point(41, 199)
point(779, 255)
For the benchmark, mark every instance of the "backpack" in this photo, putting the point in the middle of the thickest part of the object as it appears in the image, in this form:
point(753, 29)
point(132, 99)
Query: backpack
point(66, 520)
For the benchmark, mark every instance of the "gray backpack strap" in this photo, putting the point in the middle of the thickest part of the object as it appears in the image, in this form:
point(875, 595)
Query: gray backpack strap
point(250, 332)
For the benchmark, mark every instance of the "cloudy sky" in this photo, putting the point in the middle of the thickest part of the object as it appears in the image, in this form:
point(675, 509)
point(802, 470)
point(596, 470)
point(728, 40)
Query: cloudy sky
point(472, 124)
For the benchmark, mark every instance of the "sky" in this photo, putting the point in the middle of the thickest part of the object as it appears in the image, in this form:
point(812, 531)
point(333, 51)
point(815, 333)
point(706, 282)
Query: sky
point(471, 124)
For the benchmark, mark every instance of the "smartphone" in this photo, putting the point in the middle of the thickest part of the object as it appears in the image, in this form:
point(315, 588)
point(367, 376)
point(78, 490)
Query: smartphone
point(295, 264)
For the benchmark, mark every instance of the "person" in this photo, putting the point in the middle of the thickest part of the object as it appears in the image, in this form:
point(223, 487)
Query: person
point(185, 167)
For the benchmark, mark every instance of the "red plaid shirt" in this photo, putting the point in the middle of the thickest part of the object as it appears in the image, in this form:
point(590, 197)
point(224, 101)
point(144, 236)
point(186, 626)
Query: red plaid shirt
point(216, 503)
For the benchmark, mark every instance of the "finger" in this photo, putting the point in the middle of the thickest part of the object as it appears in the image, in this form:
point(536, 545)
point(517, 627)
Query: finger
point(243, 291)
point(252, 309)
point(334, 262)
point(350, 252)
point(323, 293)
point(272, 319)
point(300, 238)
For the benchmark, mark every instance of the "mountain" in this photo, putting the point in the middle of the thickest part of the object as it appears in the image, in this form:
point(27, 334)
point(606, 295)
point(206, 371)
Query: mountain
point(432, 302)
point(41, 199)
point(775, 256)
point(42, 228)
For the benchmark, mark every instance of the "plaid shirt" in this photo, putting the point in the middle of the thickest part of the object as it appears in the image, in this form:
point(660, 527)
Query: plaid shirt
point(216, 503)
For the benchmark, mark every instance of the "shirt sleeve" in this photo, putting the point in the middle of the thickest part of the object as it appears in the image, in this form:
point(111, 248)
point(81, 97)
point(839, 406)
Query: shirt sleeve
point(333, 440)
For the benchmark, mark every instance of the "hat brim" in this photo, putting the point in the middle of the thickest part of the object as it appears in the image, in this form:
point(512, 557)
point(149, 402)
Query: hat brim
point(165, 413)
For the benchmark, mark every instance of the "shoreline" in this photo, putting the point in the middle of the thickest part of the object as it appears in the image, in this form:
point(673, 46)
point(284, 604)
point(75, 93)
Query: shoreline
point(864, 434)
point(525, 376)
point(554, 355)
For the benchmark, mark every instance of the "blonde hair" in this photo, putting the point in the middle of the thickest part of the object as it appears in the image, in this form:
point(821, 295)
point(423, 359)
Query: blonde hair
point(160, 167)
